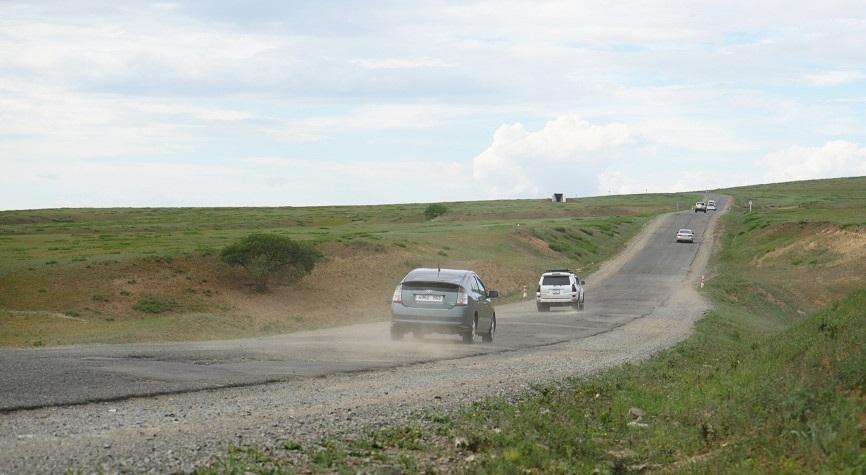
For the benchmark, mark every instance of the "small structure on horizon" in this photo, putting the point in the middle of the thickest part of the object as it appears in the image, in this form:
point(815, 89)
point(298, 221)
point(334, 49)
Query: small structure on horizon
point(558, 198)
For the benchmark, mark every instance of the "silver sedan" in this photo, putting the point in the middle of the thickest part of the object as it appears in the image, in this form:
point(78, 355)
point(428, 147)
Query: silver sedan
point(685, 235)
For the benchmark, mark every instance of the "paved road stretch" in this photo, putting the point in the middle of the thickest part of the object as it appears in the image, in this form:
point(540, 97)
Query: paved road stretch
point(41, 377)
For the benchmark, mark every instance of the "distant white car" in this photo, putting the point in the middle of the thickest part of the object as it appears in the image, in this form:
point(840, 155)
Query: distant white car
point(700, 206)
point(685, 235)
point(711, 205)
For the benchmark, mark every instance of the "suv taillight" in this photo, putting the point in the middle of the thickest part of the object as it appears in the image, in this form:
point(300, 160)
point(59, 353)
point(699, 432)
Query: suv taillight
point(462, 298)
point(398, 295)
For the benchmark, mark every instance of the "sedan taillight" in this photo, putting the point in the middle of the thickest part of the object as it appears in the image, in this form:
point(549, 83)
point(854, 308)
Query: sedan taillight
point(462, 298)
point(398, 295)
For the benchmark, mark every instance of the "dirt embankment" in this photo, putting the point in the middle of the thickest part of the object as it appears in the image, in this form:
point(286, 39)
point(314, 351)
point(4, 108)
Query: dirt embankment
point(353, 283)
point(825, 258)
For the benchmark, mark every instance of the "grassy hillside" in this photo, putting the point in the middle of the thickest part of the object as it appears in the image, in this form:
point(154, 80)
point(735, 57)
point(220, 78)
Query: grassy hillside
point(773, 381)
point(123, 275)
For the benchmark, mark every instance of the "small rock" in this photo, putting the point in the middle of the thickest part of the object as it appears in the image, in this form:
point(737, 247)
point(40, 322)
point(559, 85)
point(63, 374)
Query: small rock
point(389, 470)
point(622, 454)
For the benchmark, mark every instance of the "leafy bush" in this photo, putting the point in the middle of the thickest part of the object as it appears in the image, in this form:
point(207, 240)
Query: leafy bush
point(267, 256)
point(435, 210)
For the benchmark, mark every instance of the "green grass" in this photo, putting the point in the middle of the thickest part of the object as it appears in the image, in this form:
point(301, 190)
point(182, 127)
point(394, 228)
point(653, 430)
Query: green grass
point(23, 329)
point(729, 400)
point(37, 236)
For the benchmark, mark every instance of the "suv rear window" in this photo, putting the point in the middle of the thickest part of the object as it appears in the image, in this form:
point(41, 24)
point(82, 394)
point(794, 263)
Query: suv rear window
point(555, 280)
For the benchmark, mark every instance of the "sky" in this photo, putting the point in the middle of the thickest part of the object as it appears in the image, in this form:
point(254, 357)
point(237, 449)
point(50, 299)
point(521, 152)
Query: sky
point(330, 102)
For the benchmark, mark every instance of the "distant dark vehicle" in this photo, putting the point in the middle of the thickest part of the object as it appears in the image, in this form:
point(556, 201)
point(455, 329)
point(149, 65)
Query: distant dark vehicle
point(700, 206)
point(443, 301)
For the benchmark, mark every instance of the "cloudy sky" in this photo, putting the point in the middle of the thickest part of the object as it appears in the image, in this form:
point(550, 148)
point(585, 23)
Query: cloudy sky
point(294, 103)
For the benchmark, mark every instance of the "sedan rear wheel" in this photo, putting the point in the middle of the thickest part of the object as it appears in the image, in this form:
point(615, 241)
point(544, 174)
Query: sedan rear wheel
point(488, 338)
point(469, 337)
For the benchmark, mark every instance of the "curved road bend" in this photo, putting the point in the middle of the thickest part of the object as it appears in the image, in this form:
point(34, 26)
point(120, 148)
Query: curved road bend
point(40, 377)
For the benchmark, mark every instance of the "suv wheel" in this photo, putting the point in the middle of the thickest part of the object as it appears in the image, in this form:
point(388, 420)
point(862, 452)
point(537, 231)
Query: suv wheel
point(469, 337)
point(541, 307)
point(396, 335)
point(488, 338)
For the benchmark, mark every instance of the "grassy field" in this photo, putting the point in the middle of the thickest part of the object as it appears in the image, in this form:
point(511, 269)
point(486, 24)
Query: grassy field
point(70, 276)
point(773, 381)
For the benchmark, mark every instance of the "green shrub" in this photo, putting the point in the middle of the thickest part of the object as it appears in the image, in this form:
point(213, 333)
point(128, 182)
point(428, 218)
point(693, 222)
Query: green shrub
point(435, 210)
point(267, 256)
point(154, 305)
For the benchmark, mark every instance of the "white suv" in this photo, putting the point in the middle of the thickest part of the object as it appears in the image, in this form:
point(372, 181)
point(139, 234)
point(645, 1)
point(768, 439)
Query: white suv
point(559, 288)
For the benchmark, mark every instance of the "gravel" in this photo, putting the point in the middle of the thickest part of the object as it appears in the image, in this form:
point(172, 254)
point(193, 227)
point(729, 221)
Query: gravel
point(177, 433)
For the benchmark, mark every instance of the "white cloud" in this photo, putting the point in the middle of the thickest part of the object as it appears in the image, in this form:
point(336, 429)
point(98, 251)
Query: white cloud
point(395, 63)
point(836, 158)
point(566, 153)
point(612, 182)
point(835, 78)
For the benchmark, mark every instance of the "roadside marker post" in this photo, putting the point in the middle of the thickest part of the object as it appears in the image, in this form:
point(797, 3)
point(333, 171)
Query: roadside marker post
point(702, 282)
point(524, 291)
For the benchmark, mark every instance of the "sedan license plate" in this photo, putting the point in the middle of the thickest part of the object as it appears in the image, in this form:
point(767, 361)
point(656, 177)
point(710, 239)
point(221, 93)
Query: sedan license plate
point(429, 298)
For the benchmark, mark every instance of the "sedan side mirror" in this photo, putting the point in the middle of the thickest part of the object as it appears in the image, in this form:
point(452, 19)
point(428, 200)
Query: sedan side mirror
point(492, 294)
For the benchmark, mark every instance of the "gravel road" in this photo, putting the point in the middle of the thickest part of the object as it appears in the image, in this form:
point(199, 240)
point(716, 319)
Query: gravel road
point(176, 433)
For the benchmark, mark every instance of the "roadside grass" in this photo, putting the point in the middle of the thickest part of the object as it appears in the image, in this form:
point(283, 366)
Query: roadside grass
point(726, 401)
point(36, 329)
point(770, 382)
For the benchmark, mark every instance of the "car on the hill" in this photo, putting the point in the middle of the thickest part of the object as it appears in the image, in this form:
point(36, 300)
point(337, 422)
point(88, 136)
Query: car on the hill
point(450, 301)
point(559, 288)
point(685, 235)
point(700, 206)
point(711, 205)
